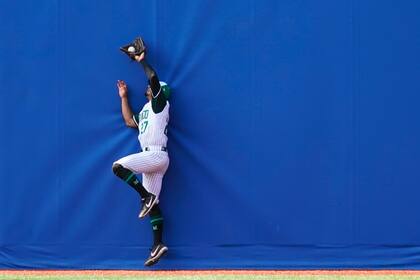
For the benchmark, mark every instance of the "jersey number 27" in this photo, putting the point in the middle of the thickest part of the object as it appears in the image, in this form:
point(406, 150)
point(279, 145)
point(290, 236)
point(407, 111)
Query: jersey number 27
point(143, 126)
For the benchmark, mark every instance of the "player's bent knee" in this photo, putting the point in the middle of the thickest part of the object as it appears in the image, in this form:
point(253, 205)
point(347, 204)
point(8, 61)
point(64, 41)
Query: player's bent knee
point(116, 168)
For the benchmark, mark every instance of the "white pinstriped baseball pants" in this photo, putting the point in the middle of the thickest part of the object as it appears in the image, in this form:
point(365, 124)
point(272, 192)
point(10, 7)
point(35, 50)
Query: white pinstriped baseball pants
point(152, 164)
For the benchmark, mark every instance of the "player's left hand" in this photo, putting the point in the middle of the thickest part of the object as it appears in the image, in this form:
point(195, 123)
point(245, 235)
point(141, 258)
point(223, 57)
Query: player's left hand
point(140, 57)
point(135, 50)
point(122, 88)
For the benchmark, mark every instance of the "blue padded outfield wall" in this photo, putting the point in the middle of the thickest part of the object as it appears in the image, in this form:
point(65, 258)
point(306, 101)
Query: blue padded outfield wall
point(294, 133)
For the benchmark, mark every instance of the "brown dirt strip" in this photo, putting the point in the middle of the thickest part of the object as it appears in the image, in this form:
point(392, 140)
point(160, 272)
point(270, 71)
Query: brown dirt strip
point(206, 272)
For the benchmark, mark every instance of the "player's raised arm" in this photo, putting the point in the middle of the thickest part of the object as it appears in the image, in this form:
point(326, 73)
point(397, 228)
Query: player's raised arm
point(125, 106)
point(159, 99)
point(150, 74)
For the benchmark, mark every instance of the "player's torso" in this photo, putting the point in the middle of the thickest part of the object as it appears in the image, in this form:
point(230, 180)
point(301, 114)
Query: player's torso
point(153, 127)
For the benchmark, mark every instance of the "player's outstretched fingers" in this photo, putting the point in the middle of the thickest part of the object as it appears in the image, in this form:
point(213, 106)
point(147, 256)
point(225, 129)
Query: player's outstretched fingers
point(122, 88)
point(121, 84)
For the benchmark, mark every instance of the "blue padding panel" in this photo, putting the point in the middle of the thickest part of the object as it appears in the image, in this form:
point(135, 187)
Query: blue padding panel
point(294, 133)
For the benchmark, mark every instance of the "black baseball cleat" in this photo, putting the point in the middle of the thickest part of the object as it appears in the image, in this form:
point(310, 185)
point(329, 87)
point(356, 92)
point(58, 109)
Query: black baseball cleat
point(156, 253)
point(148, 204)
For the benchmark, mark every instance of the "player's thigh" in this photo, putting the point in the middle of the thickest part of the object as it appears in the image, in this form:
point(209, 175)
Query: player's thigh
point(155, 162)
point(137, 163)
point(144, 162)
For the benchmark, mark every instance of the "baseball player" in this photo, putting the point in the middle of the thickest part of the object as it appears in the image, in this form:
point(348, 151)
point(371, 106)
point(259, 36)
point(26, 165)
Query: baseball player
point(153, 160)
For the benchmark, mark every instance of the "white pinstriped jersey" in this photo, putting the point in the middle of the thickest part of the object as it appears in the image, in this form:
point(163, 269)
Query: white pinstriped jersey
point(153, 127)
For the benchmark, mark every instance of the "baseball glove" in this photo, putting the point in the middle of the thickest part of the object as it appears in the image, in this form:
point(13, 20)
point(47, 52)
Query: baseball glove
point(135, 48)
